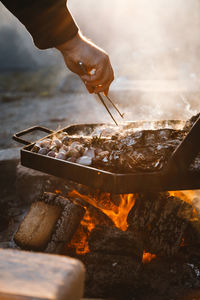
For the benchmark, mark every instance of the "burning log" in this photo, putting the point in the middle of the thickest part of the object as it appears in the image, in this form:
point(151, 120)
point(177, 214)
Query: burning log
point(92, 218)
point(159, 223)
point(163, 219)
point(108, 240)
point(49, 224)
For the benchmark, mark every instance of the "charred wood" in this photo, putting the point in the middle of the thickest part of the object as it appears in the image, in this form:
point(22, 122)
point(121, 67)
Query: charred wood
point(99, 217)
point(167, 279)
point(110, 240)
point(93, 217)
point(67, 224)
point(110, 275)
point(163, 219)
point(49, 224)
point(123, 277)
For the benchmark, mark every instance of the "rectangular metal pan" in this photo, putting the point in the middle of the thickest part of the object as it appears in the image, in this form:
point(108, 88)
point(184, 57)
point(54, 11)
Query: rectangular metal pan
point(175, 176)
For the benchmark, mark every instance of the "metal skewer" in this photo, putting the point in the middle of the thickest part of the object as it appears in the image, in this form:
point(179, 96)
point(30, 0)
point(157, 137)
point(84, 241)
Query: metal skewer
point(101, 98)
point(121, 115)
point(98, 94)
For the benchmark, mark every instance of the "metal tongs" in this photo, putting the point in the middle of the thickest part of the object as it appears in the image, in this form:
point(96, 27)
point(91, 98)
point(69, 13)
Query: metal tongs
point(81, 65)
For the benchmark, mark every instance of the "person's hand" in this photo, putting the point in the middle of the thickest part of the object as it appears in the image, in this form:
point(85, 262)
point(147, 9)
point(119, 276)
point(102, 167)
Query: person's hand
point(79, 49)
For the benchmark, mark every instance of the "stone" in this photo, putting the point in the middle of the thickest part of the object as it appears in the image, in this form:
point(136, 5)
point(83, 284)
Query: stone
point(31, 184)
point(10, 154)
point(27, 275)
point(9, 159)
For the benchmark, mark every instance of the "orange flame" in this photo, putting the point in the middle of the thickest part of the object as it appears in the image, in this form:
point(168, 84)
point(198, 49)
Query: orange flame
point(186, 196)
point(118, 214)
point(147, 257)
point(80, 239)
point(182, 244)
point(58, 192)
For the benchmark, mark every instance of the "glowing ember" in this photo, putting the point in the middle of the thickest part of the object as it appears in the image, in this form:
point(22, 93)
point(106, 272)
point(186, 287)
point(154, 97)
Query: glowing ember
point(118, 214)
point(182, 244)
point(58, 192)
point(80, 239)
point(147, 257)
point(186, 196)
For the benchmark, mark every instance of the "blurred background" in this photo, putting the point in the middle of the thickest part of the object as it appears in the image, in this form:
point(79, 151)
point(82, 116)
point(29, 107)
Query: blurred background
point(154, 47)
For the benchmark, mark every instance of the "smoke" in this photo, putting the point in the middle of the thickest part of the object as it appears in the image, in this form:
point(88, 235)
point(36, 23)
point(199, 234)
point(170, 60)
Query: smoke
point(157, 39)
point(154, 47)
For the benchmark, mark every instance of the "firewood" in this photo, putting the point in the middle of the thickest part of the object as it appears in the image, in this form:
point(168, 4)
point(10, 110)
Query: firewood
point(79, 243)
point(35, 230)
point(167, 278)
point(123, 277)
point(50, 223)
point(111, 275)
point(67, 224)
point(110, 240)
point(163, 219)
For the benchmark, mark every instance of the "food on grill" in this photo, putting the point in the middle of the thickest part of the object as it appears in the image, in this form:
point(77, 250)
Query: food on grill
point(116, 149)
point(137, 151)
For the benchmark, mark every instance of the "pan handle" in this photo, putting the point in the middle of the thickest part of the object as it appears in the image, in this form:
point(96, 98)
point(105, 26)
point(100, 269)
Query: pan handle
point(187, 150)
point(17, 136)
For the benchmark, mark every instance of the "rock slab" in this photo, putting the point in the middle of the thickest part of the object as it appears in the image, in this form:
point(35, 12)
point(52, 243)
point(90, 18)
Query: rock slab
point(27, 275)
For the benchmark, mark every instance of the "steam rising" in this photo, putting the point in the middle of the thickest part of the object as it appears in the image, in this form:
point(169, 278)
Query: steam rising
point(157, 39)
point(154, 47)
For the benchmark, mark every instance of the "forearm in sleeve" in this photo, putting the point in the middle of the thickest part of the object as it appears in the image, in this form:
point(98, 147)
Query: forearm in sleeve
point(48, 21)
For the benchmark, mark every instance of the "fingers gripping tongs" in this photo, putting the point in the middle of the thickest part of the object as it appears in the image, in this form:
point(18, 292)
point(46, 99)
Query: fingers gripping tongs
point(82, 67)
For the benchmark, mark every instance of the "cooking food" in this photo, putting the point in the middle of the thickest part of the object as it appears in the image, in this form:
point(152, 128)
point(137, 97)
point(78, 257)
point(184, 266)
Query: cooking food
point(115, 149)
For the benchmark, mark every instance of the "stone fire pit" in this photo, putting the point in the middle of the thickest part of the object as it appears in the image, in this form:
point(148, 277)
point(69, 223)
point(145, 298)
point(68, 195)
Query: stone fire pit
point(113, 264)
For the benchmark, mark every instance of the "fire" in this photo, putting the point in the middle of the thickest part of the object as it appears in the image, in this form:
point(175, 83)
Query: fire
point(58, 192)
point(182, 244)
point(186, 196)
point(80, 238)
point(147, 257)
point(118, 214)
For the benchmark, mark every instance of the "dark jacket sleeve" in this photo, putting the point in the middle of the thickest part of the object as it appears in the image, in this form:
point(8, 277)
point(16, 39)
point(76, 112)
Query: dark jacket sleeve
point(48, 21)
